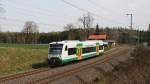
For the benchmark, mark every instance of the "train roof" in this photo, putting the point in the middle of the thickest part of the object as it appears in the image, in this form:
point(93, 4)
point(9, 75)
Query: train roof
point(78, 42)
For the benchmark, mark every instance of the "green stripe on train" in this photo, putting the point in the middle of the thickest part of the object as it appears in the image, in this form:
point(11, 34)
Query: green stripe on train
point(88, 56)
point(80, 44)
point(97, 43)
point(83, 57)
point(69, 60)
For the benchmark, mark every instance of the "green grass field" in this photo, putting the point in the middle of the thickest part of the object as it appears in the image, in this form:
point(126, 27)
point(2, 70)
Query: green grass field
point(15, 58)
point(21, 57)
point(28, 46)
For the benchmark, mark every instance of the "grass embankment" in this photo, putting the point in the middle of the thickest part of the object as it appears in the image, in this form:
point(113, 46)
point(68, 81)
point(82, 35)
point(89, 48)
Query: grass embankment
point(20, 57)
point(135, 71)
point(28, 46)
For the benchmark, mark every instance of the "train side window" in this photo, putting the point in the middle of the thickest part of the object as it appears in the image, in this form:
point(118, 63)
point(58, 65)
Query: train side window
point(66, 48)
point(100, 47)
point(89, 49)
point(71, 51)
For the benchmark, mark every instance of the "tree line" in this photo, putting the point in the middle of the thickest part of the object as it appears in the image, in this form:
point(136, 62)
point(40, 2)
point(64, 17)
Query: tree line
point(121, 35)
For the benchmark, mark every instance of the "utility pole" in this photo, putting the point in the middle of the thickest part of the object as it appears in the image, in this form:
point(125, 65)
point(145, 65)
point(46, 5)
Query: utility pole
point(131, 23)
point(84, 21)
point(0, 27)
point(138, 36)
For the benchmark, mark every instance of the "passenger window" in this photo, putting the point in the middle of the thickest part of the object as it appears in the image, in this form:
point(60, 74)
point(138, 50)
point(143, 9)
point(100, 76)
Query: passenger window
point(100, 47)
point(71, 51)
point(89, 49)
point(66, 48)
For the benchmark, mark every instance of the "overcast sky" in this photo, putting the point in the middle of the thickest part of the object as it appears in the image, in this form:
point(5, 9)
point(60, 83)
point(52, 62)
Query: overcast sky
point(53, 15)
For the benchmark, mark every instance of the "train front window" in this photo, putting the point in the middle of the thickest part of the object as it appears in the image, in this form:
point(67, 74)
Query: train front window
point(55, 48)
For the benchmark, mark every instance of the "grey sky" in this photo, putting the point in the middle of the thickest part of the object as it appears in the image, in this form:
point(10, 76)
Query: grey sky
point(52, 15)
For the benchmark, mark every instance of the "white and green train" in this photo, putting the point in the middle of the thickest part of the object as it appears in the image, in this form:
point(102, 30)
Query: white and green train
point(67, 51)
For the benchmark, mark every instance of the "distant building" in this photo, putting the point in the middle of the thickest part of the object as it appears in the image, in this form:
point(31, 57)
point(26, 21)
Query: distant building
point(109, 43)
point(97, 37)
point(145, 44)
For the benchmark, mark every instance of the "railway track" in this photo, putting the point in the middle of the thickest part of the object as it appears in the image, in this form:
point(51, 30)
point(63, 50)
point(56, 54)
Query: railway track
point(12, 77)
point(58, 75)
point(70, 72)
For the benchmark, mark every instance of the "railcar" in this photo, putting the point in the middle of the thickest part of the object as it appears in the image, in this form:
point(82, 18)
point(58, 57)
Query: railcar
point(67, 51)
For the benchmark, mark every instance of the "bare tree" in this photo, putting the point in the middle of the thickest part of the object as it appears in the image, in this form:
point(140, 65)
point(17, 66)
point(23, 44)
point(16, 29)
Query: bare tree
point(86, 21)
point(82, 20)
point(69, 28)
point(30, 27)
point(30, 32)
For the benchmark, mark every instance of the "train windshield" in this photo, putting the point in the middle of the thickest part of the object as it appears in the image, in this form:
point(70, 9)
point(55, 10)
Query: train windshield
point(55, 48)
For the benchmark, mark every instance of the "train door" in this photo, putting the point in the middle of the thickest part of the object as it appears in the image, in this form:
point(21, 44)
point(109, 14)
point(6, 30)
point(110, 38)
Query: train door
point(97, 49)
point(79, 53)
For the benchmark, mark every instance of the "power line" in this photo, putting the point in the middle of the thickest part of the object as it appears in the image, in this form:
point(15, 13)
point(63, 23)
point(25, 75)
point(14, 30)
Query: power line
point(95, 4)
point(40, 10)
point(12, 19)
point(75, 6)
point(16, 25)
point(30, 15)
point(106, 9)
point(2, 10)
point(47, 10)
point(71, 5)
point(102, 7)
point(65, 18)
point(26, 12)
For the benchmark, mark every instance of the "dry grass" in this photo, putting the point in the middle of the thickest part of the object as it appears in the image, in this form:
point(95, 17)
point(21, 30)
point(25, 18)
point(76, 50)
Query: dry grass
point(13, 60)
point(135, 71)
